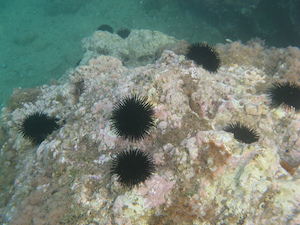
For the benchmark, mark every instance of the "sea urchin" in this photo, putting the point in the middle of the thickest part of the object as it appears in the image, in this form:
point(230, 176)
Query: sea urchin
point(123, 32)
point(37, 126)
point(286, 94)
point(106, 27)
point(242, 133)
point(204, 55)
point(132, 167)
point(132, 117)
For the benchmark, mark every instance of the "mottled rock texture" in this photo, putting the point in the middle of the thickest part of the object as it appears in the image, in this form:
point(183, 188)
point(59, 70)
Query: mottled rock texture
point(203, 175)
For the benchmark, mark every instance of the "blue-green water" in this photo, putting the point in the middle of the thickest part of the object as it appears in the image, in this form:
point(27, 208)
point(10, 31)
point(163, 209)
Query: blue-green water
point(41, 39)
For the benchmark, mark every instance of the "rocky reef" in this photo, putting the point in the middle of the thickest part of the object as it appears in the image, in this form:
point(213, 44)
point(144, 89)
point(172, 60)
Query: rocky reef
point(203, 175)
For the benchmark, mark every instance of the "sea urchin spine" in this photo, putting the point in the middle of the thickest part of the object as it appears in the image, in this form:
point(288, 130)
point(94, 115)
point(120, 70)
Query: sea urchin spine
point(132, 167)
point(37, 126)
point(286, 94)
point(242, 133)
point(123, 32)
point(132, 117)
point(204, 55)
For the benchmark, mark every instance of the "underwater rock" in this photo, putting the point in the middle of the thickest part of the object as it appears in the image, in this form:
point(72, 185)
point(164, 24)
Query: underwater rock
point(140, 48)
point(199, 167)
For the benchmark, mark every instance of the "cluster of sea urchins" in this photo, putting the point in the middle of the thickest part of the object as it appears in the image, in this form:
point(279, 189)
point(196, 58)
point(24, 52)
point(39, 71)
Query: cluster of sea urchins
point(133, 117)
point(285, 94)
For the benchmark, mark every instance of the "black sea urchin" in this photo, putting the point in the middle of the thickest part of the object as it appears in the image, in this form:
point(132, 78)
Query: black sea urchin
point(37, 126)
point(123, 32)
point(132, 167)
point(286, 94)
point(242, 133)
point(106, 27)
point(132, 117)
point(204, 55)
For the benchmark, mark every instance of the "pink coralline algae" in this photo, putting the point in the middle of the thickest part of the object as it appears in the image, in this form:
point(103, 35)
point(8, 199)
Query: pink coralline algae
point(155, 191)
point(202, 174)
